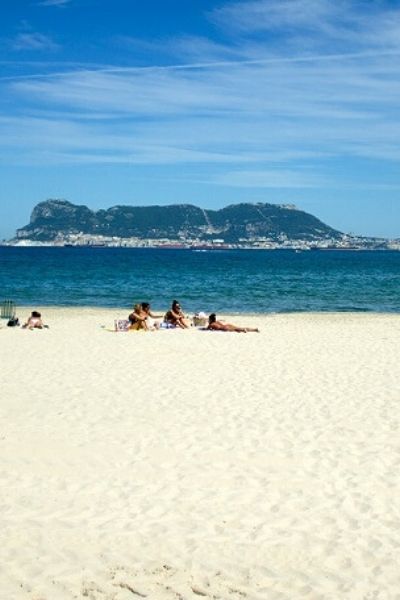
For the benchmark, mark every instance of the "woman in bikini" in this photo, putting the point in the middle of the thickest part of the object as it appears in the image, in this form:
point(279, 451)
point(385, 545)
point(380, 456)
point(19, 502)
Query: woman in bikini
point(176, 317)
point(151, 319)
point(137, 319)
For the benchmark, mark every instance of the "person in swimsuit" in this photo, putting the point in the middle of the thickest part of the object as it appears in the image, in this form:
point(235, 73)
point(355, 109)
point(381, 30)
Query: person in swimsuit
point(34, 321)
point(137, 318)
point(215, 325)
point(151, 319)
point(176, 317)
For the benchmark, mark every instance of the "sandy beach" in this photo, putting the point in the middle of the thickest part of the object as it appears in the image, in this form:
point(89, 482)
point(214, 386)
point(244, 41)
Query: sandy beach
point(179, 465)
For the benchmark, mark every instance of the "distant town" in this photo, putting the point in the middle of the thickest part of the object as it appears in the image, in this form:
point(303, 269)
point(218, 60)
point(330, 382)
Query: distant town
point(346, 242)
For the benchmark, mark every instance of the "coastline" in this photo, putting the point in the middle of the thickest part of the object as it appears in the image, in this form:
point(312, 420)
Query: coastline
point(200, 463)
point(390, 246)
point(120, 312)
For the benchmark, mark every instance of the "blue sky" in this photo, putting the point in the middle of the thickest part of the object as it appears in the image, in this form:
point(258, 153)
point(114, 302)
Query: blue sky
point(211, 103)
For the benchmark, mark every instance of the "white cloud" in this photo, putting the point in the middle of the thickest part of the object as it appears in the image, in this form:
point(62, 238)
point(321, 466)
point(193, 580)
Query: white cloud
point(186, 48)
point(267, 116)
point(345, 90)
point(313, 25)
point(250, 115)
point(275, 14)
point(278, 178)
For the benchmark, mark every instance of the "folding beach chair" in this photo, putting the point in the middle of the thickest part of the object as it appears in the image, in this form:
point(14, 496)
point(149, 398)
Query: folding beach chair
point(7, 309)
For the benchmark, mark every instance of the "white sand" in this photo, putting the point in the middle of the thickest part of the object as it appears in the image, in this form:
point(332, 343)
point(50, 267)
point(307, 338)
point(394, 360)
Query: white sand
point(185, 464)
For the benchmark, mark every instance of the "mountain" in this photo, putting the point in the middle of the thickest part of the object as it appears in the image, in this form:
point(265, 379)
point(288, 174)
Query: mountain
point(232, 223)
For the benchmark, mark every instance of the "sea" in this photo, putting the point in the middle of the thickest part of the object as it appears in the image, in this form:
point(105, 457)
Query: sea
point(227, 281)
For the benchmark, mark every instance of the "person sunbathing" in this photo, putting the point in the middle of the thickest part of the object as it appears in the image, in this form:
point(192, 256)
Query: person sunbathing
point(151, 319)
point(175, 316)
point(138, 319)
point(34, 321)
point(215, 325)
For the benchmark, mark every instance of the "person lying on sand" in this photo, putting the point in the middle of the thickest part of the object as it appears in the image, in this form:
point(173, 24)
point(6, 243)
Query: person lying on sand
point(176, 317)
point(34, 321)
point(215, 325)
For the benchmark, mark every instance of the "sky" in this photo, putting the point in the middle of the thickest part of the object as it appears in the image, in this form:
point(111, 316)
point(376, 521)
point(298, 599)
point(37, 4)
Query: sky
point(113, 102)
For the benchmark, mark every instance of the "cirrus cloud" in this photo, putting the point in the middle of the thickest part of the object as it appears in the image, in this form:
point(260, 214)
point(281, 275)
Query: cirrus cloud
point(53, 2)
point(32, 40)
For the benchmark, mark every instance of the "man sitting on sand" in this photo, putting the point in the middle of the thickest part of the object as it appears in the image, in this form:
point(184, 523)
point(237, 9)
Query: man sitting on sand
point(34, 321)
point(215, 325)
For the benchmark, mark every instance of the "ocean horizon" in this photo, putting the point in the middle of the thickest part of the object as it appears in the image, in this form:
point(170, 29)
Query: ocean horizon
point(228, 281)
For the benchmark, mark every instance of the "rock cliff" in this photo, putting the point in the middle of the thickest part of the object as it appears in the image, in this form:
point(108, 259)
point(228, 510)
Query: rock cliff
point(232, 223)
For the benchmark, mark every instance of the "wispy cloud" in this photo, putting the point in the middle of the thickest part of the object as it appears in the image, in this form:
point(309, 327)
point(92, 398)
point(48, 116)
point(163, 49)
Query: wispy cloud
point(67, 141)
point(322, 21)
point(261, 115)
point(190, 49)
point(312, 29)
point(32, 40)
point(271, 178)
point(53, 2)
point(295, 118)
point(358, 88)
point(262, 15)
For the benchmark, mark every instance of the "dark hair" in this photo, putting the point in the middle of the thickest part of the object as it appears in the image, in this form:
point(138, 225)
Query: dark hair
point(145, 305)
point(175, 303)
point(36, 314)
point(212, 318)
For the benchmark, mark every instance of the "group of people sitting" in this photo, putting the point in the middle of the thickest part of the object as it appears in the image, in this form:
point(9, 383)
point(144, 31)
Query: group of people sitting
point(142, 318)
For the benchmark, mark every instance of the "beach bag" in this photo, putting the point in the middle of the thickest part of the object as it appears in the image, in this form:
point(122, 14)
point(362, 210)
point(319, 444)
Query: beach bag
point(14, 322)
point(121, 324)
point(200, 319)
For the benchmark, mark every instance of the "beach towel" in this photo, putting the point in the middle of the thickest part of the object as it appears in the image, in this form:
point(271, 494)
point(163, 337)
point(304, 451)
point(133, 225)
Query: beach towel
point(152, 323)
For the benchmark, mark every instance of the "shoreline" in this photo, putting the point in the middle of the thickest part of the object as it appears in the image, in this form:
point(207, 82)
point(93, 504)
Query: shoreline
point(118, 309)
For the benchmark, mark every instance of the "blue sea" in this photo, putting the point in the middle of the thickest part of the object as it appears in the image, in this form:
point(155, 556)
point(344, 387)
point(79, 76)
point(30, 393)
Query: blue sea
point(232, 281)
